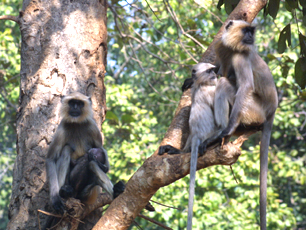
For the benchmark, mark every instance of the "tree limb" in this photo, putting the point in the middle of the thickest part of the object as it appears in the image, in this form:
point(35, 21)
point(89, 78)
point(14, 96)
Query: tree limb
point(10, 17)
point(158, 171)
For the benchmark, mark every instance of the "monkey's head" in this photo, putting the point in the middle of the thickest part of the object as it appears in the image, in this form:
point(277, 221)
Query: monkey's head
point(76, 108)
point(239, 35)
point(204, 74)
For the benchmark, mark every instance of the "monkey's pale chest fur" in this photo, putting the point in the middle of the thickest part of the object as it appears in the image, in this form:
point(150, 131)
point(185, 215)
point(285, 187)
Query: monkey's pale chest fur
point(80, 138)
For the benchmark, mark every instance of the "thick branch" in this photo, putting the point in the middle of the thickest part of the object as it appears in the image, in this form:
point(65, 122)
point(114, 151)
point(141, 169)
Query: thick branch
point(158, 171)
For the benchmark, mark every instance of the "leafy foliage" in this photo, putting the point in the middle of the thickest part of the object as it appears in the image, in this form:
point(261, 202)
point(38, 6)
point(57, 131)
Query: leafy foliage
point(9, 92)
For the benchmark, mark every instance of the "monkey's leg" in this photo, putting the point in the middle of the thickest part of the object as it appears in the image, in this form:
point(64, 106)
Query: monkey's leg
point(224, 98)
point(62, 165)
point(102, 178)
point(57, 172)
point(264, 149)
point(168, 149)
point(79, 178)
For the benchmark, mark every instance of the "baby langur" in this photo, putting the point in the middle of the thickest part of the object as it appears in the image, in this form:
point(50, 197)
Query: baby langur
point(249, 90)
point(201, 122)
point(76, 153)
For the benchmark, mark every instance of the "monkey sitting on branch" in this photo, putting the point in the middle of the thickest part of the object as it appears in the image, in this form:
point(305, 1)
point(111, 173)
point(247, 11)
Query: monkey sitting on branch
point(201, 123)
point(249, 89)
point(76, 161)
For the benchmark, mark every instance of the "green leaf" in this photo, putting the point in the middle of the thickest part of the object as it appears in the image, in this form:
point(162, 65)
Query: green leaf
point(112, 116)
point(126, 118)
point(302, 40)
point(228, 7)
point(220, 3)
point(292, 3)
point(303, 3)
point(273, 8)
point(284, 36)
point(300, 72)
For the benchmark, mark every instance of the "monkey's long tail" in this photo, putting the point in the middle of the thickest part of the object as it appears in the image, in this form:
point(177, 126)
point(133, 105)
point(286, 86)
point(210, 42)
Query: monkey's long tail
point(264, 151)
point(195, 142)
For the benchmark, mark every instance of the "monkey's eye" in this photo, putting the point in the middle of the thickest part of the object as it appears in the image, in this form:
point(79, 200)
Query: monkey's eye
point(210, 70)
point(76, 104)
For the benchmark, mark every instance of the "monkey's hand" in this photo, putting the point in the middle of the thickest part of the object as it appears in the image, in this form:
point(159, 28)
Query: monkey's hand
point(66, 191)
point(97, 155)
point(187, 84)
point(58, 204)
point(168, 149)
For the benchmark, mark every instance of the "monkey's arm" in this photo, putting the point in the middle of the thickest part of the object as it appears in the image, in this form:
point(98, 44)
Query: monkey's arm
point(57, 165)
point(245, 82)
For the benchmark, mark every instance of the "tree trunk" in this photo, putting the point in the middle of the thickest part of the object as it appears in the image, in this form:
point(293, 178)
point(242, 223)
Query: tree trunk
point(63, 50)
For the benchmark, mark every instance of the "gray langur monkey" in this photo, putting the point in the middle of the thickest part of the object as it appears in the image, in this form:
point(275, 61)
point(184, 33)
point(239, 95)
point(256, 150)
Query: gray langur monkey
point(77, 137)
point(246, 95)
point(201, 122)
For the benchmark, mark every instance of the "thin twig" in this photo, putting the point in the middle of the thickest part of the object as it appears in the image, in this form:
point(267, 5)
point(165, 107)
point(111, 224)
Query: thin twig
point(164, 205)
point(173, 15)
point(155, 222)
point(234, 174)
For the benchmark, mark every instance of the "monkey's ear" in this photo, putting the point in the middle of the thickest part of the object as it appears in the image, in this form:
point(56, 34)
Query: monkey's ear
point(229, 24)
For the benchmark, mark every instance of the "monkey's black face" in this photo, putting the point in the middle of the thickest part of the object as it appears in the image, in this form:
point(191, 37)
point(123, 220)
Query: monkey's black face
point(212, 77)
point(248, 37)
point(75, 107)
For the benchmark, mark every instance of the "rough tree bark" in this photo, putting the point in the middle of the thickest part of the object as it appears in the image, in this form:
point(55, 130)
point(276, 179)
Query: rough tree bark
point(63, 49)
point(158, 171)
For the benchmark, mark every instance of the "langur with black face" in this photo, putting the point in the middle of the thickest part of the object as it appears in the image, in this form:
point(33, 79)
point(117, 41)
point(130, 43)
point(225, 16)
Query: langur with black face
point(76, 161)
point(201, 122)
point(247, 95)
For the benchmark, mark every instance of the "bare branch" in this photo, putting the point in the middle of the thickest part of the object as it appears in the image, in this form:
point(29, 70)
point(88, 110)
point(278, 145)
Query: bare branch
point(10, 17)
point(155, 222)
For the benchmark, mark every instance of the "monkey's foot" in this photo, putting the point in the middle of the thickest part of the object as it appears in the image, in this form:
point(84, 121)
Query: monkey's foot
point(168, 149)
point(118, 188)
point(66, 191)
point(58, 204)
point(202, 148)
